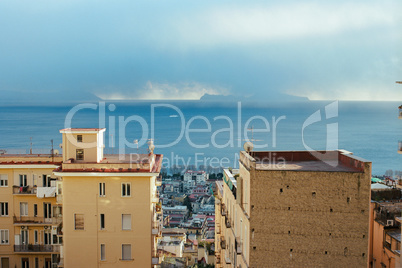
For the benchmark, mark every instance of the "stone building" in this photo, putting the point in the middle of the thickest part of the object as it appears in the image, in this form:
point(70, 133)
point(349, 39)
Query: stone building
point(288, 209)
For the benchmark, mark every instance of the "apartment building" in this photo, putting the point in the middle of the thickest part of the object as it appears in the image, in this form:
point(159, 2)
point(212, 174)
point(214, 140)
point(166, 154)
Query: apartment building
point(288, 209)
point(110, 204)
point(81, 209)
point(30, 218)
point(385, 234)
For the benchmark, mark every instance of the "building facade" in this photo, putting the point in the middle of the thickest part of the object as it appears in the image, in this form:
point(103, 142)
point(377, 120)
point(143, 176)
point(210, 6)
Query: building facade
point(84, 209)
point(287, 209)
point(30, 218)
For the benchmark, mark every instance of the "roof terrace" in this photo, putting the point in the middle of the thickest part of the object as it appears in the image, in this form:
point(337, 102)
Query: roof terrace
point(328, 161)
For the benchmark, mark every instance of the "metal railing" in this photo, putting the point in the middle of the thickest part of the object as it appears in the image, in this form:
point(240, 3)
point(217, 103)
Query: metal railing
point(24, 189)
point(36, 248)
point(36, 220)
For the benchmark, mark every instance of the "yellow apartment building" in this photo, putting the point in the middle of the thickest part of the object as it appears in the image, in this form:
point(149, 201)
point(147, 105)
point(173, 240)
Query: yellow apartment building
point(30, 217)
point(290, 209)
point(111, 216)
point(84, 209)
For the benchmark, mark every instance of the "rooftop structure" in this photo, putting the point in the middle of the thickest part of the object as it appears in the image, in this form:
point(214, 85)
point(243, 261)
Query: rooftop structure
point(290, 208)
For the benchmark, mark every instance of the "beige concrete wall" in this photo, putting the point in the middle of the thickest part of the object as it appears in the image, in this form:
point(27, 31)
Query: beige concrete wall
point(291, 227)
point(6, 195)
point(239, 229)
point(70, 147)
point(82, 247)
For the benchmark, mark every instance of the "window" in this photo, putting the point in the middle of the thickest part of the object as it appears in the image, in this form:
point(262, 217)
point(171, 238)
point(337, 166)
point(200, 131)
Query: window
point(79, 138)
point(54, 239)
point(4, 236)
point(102, 191)
point(47, 210)
point(80, 154)
point(23, 209)
point(36, 237)
point(103, 252)
point(79, 221)
point(23, 180)
point(3, 180)
point(102, 221)
point(24, 263)
point(24, 237)
point(3, 208)
point(5, 262)
point(126, 221)
point(126, 252)
point(45, 180)
point(126, 189)
point(35, 210)
point(36, 262)
point(47, 235)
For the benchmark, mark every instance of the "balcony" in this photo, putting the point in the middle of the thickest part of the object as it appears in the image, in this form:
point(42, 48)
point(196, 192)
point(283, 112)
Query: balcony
point(22, 220)
point(158, 181)
point(155, 260)
point(36, 248)
point(24, 190)
point(158, 207)
point(157, 228)
point(155, 198)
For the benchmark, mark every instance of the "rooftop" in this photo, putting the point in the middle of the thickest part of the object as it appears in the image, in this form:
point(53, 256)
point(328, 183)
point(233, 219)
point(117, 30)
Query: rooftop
point(82, 130)
point(328, 161)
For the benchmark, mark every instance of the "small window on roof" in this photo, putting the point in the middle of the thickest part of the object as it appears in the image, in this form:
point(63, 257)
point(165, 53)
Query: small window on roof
point(80, 154)
point(79, 138)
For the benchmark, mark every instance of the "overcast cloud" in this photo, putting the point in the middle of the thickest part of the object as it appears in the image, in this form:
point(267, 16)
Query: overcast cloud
point(184, 49)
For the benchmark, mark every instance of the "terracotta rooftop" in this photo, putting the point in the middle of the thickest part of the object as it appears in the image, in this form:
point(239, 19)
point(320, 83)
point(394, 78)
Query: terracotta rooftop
point(155, 168)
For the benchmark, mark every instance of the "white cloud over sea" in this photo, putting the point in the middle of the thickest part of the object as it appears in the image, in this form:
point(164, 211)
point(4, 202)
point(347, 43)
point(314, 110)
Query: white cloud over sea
point(163, 91)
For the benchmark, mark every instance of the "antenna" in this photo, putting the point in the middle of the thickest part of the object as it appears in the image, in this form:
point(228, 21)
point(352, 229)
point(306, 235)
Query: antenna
point(52, 150)
point(30, 150)
point(136, 142)
point(252, 132)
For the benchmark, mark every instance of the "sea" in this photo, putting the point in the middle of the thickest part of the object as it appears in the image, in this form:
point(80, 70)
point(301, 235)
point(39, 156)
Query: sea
point(199, 134)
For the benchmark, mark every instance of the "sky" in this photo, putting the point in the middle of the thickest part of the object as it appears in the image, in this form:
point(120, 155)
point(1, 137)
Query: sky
point(323, 50)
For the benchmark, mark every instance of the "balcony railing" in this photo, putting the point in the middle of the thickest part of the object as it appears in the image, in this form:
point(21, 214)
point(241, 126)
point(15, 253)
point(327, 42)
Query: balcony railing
point(157, 227)
point(24, 190)
point(36, 248)
point(36, 220)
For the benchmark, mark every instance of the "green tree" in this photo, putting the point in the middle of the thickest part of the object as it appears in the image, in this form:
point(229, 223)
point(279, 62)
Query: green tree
point(187, 203)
